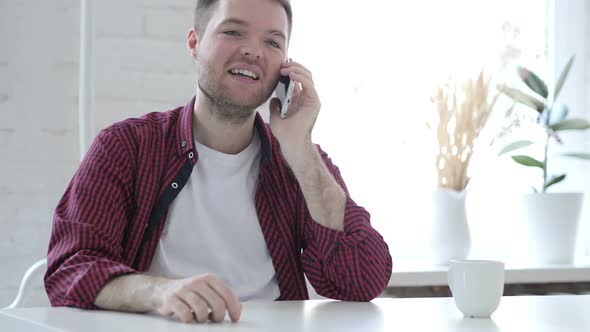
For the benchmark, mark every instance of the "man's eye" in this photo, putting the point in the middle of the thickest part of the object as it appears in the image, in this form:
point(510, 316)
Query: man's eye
point(274, 44)
point(231, 33)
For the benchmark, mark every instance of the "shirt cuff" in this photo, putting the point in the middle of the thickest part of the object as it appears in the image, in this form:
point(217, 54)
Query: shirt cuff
point(87, 284)
point(356, 221)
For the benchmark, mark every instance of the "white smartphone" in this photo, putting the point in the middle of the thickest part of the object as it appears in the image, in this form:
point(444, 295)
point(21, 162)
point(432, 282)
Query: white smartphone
point(284, 92)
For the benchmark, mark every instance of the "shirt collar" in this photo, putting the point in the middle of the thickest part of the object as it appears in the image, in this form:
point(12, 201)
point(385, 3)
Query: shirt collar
point(185, 138)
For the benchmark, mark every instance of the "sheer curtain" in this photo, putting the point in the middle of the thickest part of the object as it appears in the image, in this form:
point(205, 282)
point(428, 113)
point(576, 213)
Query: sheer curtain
point(376, 64)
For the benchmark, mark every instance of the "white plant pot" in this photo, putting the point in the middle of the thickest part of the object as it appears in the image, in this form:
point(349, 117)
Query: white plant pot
point(449, 235)
point(551, 221)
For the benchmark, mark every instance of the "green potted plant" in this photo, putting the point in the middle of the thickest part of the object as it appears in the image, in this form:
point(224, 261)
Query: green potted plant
point(551, 218)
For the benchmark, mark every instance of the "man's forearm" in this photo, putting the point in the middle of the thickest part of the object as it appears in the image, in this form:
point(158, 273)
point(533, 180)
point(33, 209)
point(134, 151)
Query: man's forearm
point(324, 197)
point(131, 292)
point(197, 298)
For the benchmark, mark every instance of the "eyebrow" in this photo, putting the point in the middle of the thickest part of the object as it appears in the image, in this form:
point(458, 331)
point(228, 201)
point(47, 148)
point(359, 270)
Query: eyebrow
point(237, 21)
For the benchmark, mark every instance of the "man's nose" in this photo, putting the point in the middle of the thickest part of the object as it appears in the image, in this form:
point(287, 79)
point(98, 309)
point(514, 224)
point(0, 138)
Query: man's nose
point(252, 51)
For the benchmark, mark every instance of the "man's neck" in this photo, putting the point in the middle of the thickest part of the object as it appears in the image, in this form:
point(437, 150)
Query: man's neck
point(225, 135)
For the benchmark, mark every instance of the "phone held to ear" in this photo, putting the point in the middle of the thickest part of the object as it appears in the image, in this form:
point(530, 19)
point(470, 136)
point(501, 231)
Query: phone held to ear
point(284, 92)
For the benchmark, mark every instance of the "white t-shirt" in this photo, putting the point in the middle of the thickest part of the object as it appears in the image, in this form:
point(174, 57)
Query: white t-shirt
point(212, 226)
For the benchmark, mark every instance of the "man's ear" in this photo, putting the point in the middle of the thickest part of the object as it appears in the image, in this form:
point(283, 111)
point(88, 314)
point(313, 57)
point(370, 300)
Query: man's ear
point(193, 42)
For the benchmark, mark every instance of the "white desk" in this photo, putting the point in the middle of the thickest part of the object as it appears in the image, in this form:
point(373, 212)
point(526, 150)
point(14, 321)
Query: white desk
point(517, 313)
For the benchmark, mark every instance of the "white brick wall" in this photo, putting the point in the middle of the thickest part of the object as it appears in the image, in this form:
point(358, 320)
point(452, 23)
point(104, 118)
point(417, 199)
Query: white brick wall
point(38, 127)
point(141, 58)
point(141, 65)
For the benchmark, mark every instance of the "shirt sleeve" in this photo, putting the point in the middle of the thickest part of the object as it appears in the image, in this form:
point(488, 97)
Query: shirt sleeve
point(353, 265)
point(85, 248)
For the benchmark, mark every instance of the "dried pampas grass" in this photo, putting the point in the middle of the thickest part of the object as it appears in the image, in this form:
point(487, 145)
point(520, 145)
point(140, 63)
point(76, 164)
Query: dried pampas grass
point(462, 114)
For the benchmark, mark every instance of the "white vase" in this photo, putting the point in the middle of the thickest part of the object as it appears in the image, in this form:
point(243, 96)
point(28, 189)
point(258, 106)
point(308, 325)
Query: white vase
point(449, 230)
point(551, 221)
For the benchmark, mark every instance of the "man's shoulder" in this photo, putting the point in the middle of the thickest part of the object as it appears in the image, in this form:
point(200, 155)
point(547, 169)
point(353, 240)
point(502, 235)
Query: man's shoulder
point(153, 123)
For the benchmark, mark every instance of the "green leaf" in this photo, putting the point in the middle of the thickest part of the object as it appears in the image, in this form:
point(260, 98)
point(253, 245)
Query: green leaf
point(528, 161)
point(523, 98)
point(554, 180)
point(571, 124)
point(558, 113)
point(510, 110)
point(533, 82)
point(563, 76)
point(513, 146)
point(585, 156)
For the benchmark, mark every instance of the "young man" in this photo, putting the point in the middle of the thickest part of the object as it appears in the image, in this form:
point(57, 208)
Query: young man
point(188, 212)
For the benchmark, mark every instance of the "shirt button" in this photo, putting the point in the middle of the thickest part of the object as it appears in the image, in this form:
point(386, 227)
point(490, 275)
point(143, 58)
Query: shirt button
point(183, 144)
point(174, 185)
point(191, 155)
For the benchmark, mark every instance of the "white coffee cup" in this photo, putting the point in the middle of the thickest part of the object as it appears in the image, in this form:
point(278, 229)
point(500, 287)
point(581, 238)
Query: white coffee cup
point(477, 286)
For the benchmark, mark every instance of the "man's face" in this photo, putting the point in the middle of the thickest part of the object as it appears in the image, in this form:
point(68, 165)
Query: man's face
point(240, 53)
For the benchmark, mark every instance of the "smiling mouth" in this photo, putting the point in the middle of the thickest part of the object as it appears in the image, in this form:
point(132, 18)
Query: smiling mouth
point(244, 73)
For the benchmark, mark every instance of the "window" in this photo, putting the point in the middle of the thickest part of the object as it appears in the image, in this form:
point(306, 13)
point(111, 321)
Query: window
point(376, 64)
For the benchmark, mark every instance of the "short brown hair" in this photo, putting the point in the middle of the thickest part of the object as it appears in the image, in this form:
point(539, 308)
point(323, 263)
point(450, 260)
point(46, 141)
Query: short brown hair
point(204, 8)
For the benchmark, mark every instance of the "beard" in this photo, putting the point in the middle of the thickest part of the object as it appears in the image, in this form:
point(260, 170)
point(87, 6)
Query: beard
point(224, 106)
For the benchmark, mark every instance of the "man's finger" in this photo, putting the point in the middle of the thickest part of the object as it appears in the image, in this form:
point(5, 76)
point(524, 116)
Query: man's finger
point(297, 64)
point(232, 302)
point(182, 311)
point(198, 306)
point(296, 70)
point(304, 81)
point(214, 301)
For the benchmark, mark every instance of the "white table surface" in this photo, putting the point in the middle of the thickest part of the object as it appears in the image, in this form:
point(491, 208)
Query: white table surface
point(516, 313)
point(412, 275)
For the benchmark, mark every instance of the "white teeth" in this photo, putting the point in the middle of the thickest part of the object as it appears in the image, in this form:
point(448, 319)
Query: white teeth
point(244, 72)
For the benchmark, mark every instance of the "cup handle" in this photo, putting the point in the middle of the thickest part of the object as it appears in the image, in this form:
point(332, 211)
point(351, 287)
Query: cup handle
point(450, 275)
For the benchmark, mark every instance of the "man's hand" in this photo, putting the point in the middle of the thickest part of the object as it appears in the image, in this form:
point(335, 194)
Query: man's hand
point(197, 298)
point(294, 132)
point(324, 197)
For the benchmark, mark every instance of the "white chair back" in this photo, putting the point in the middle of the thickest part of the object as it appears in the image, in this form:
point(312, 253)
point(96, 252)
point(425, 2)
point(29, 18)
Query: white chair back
point(31, 292)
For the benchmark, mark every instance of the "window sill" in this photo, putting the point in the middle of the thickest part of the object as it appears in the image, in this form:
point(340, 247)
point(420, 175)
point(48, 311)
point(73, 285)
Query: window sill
point(411, 275)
